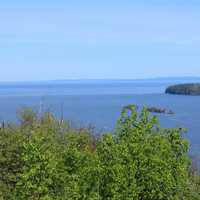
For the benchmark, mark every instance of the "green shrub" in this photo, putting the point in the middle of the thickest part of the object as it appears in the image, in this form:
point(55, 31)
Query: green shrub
point(44, 158)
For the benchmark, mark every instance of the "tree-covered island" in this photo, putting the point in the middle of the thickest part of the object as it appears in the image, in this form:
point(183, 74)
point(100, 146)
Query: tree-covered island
point(184, 89)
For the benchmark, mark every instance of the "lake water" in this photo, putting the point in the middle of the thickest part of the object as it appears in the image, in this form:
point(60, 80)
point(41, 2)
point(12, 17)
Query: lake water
point(99, 102)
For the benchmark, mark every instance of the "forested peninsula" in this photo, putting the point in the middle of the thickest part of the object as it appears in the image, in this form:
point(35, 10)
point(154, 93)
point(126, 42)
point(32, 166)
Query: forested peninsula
point(184, 89)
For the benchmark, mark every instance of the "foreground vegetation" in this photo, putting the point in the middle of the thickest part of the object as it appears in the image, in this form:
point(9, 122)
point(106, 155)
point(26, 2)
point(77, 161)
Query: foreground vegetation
point(43, 158)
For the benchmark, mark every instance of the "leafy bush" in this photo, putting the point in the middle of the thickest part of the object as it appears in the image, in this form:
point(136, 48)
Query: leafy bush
point(44, 158)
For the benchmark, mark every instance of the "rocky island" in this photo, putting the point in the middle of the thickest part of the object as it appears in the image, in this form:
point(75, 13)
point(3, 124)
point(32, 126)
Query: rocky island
point(160, 110)
point(184, 89)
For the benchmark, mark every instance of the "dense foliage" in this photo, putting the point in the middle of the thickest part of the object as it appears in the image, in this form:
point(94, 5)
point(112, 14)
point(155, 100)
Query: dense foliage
point(43, 158)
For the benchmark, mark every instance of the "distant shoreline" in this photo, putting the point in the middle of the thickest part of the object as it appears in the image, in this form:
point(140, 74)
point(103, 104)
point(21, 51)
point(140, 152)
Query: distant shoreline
point(106, 80)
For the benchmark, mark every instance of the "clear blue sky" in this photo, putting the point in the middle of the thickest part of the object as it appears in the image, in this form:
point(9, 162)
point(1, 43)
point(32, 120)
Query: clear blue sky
point(76, 39)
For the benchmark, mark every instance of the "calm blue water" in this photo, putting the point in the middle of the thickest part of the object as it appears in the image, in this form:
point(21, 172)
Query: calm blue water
point(100, 103)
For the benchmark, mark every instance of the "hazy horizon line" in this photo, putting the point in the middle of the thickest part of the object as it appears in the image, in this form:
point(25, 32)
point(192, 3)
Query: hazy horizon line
point(101, 79)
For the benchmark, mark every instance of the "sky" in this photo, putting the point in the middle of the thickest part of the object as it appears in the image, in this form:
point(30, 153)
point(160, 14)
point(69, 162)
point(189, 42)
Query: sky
point(107, 39)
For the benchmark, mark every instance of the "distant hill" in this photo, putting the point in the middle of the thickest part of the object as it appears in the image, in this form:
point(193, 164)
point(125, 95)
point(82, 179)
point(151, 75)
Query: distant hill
point(184, 89)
